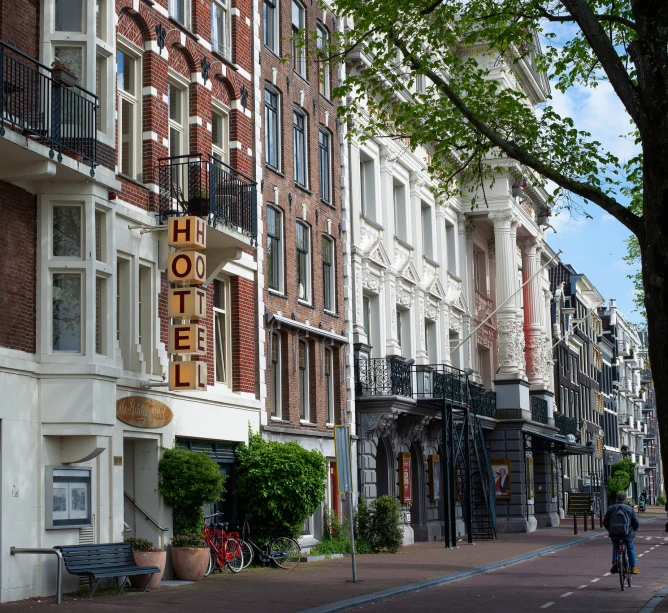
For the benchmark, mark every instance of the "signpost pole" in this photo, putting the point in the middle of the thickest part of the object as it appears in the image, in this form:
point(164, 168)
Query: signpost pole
point(343, 452)
point(447, 487)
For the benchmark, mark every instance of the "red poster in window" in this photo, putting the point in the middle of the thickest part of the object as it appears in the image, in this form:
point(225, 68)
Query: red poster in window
point(405, 483)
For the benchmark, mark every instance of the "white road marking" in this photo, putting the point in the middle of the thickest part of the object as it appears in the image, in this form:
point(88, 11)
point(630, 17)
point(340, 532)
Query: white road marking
point(595, 580)
point(607, 574)
point(648, 538)
point(640, 555)
point(546, 605)
point(582, 587)
point(566, 594)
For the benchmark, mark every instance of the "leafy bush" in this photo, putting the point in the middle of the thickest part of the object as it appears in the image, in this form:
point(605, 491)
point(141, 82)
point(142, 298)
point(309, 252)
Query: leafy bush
point(188, 481)
point(661, 499)
point(618, 482)
point(141, 545)
point(336, 537)
point(624, 466)
point(193, 539)
point(379, 524)
point(279, 485)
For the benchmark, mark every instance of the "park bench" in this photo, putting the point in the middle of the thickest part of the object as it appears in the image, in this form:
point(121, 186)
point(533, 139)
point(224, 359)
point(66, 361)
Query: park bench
point(103, 561)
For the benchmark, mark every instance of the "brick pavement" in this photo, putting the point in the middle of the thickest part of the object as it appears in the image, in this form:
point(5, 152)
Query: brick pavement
point(318, 583)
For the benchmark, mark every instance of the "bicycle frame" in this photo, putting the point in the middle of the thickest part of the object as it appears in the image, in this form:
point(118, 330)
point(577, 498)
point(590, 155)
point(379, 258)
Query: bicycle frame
point(216, 538)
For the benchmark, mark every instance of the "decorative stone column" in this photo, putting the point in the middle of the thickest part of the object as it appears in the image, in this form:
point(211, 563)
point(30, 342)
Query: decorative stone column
point(511, 337)
point(533, 333)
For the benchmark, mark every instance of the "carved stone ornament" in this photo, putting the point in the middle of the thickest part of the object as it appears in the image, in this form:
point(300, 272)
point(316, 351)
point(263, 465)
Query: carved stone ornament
point(401, 256)
point(410, 428)
point(386, 158)
point(368, 236)
point(379, 425)
point(418, 180)
point(511, 343)
point(434, 433)
point(486, 336)
point(455, 321)
point(431, 310)
point(535, 360)
point(405, 296)
point(371, 281)
point(502, 218)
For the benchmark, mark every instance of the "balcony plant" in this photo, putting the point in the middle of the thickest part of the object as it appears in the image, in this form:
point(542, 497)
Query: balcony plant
point(200, 204)
point(62, 73)
point(188, 481)
point(147, 554)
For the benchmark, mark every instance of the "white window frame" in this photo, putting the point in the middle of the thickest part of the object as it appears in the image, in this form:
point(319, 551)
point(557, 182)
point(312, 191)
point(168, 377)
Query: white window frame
point(277, 133)
point(401, 207)
point(332, 275)
point(298, 30)
point(325, 165)
point(227, 342)
point(275, 376)
point(223, 47)
point(280, 247)
point(181, 86)
point(302, 134)
point(136, 102)
point(82, 310)
point(187, 10)
point(271, 5)
point(304, 390)
point(306, 254)
point(82, 231)
point(101, 288)
point(223, 154)
point(329, 386)
point(84, 15)
point(324, 71)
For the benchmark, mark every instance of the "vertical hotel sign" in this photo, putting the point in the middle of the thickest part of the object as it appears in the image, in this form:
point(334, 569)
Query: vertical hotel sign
point(187, 303)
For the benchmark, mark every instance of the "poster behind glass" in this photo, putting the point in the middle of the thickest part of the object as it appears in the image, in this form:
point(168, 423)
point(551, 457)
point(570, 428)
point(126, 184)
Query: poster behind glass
point(68, 497)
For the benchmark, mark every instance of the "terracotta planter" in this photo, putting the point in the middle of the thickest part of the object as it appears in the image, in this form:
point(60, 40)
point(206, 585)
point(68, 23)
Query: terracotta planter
point(65, 77)
point(190, 563)
point(149, 558)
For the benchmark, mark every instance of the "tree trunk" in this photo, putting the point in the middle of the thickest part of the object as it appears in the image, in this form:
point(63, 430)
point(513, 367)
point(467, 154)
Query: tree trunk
point(654, 250)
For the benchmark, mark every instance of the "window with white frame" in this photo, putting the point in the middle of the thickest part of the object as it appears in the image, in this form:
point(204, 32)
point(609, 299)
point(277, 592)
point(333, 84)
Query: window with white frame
point(67, 238)
point(270, 15)
point(124, 309)
point(451, 247)
point(66, 312)
point(69, 15)
point(222, 332)
point(368, 187)
point(221, 39)
point(101, 62)
point(220, 130)
point(303, 381)
point(366, 314)
point(325, 164)
point(272, 127)
point(178, 135)
point(298, 47)
point(129, 113)
point(180, 10)
point(274, 249)
point(329, 300)
point(100, 319)
point(329, 385)
point(300, 150)
point(73, 57)
point(400, 330)
point(101, 19)
point(275, 374)
point(400, 212)
point(100, 237)
point(145, 312)
point(427, 231)
point(303, 244)
point(324, 86)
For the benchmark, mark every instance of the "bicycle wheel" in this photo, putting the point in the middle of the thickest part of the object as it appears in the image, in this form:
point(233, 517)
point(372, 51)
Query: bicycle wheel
point(234, 556)
point(621, 564)
point(628, 569)
point(212, 564)
point(247, 550)
point(285, 552)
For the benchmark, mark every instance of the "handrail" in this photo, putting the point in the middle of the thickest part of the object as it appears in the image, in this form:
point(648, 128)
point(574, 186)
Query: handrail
point(59, 573)
point(146, 515)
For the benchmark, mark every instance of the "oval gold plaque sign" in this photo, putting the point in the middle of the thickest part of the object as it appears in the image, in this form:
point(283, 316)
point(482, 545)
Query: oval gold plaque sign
point(143, 412)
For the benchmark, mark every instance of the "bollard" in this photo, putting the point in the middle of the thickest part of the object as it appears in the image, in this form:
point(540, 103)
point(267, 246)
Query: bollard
point(600, 519)
point(593, 523)
point(575, 523)
point(585, 518)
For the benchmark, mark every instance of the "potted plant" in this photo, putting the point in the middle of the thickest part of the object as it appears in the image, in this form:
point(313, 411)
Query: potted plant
point(199, 205)
point(188, 481)
point(62, 73)
point(146, 554)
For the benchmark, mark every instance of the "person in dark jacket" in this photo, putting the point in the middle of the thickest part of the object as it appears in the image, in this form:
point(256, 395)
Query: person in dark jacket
point(634, 524)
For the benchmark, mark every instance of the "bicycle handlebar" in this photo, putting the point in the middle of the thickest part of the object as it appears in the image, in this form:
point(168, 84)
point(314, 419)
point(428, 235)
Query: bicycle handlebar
point(214, 515)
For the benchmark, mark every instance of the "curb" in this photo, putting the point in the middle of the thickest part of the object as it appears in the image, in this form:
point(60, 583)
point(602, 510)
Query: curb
point(656, 600)
point(402, 590)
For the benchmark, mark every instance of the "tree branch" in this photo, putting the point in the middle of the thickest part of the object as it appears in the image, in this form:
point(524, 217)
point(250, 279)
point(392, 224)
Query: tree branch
point(632, 221)
point(608, 57)
point(602, 18)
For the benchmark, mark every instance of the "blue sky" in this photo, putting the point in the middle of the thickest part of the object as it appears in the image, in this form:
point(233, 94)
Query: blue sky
point(595, 247)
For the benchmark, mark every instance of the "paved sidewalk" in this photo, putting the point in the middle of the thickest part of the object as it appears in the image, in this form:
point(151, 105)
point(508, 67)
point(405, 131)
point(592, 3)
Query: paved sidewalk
point(318, 583)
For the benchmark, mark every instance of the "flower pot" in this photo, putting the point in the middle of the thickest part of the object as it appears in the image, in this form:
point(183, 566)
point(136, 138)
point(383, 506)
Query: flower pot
point(65, 77)
point(190, 563)
point(149, 558)
point(199, 206)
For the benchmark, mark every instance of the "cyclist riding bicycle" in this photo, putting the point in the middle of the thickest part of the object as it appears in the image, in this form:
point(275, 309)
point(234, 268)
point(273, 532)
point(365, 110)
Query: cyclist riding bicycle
point(621, 522)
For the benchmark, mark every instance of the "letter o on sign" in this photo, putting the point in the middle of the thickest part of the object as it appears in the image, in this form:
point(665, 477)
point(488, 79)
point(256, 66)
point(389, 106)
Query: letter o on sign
point(181, 266)
point(187, 268)
point(200, 266)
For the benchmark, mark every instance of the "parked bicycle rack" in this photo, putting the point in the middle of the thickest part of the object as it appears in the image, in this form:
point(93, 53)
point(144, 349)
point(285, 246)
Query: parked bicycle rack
point(59, 573)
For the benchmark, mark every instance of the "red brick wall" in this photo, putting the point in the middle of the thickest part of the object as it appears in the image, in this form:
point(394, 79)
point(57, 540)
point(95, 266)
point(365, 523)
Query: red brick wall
point(243, 307)
point(290, 85)
point(20, 24)
point(18, 214)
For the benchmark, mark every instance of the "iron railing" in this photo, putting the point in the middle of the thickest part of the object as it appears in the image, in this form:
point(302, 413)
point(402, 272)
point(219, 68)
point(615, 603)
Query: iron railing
point(651, 460)
point(441, 382)
point(43, 108)
point(566, 425)
point(483, 400)
point(539, 410)
point(382, 377)
point(203, 186)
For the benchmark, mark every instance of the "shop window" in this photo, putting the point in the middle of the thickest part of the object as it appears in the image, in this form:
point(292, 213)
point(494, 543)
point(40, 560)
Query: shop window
point(303, 381)
point(271, 36)
point(275, 368)
point(272, 127)
point(222, 332)
point(66, 312)
point(69, 15)
point(303, 244)
point(329, 301)
point(67, 236)
point(274, 249)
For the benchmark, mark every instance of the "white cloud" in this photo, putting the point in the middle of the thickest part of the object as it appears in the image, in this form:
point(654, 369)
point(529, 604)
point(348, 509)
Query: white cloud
point(607, 218)
point(566, 224)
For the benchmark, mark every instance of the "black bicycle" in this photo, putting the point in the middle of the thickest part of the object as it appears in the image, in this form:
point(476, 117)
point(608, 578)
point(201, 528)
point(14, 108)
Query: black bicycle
point(283, 551)
point(623, 566)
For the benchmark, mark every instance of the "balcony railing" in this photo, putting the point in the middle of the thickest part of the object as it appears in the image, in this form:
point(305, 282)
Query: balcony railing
point(566, 425)
point(46, 110)
point(539, 410)
point(651, 460)
point(383, 377)
point(203, 186)
point(483, 400)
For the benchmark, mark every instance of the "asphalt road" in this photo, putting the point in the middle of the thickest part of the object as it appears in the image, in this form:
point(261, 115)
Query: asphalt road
point(573, 579)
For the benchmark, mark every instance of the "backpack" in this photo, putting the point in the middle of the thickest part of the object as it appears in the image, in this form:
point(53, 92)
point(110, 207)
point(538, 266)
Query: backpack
point(620, 525)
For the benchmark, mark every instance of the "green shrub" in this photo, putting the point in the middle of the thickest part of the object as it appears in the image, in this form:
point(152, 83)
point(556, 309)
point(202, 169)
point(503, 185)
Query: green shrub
point(194, 539)
point(624, 466)
point(661, 499)
point(618, 482)
point(188, 481)
point(141, 545)
point(379, 524)
point(279, 485)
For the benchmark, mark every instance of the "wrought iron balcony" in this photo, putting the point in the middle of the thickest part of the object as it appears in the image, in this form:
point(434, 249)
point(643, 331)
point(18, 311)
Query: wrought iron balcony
point(383, 377)
point(539, 410)
point(483, 400)
point(566, 425)
point(651, 460)
point(61, 115)
point(203, 186)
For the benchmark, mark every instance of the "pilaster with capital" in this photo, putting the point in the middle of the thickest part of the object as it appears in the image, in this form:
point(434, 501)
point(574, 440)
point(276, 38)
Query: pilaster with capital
point(533, 325)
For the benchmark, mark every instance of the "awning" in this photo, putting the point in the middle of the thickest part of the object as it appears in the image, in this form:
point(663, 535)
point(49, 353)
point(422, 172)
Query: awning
point(555, 443)
point(292, 323)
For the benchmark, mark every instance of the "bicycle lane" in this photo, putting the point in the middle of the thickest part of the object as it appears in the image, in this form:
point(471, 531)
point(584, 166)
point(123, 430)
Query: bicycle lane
point(572, 579)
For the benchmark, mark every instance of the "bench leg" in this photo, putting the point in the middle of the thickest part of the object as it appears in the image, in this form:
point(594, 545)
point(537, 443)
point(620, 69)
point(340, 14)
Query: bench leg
point(92, 587)
point(149, 581)
point(126, 580)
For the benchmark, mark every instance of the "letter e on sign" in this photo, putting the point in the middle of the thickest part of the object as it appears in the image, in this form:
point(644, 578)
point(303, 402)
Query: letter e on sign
point(187, 339)
point(187, 232)
point(186, 268)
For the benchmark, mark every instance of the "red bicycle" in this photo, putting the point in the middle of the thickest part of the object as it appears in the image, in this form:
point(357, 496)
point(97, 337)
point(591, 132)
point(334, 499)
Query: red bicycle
point(224, 546)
